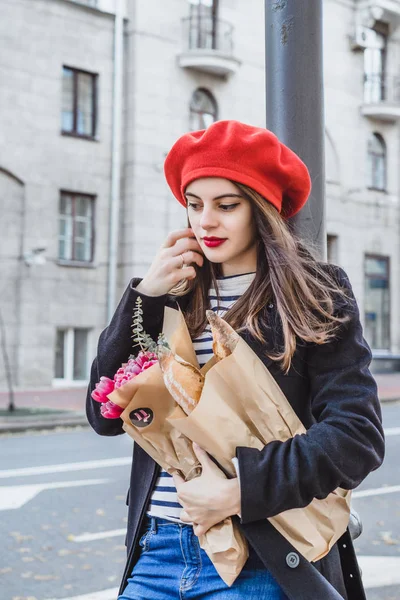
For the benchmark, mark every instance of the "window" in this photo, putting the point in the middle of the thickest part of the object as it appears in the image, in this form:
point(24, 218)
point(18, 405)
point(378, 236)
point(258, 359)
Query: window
point(203, 24)
point(377, 302)
point(332, 246)
point(203, 109)
point(79, 106)
point(374, 64)
point(377, 162)
point(71, 355)
point(76, 227)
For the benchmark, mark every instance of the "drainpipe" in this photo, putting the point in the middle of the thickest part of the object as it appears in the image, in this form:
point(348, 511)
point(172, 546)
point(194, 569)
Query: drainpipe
point(295, 99)
point(116, 158)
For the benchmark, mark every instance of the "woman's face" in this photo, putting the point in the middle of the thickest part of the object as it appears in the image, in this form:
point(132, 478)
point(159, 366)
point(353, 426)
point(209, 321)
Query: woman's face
point(216, 209)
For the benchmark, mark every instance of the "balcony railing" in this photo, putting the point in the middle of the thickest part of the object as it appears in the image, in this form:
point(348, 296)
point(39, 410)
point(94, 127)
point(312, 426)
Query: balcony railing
point(208, 45)
point(381, 97)
point(206, 33)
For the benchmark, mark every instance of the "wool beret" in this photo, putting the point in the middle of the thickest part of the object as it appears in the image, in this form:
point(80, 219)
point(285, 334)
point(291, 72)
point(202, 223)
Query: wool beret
point(250, 155)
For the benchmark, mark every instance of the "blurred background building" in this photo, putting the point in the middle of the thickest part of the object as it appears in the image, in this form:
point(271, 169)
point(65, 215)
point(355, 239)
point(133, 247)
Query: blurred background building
point(186, 63)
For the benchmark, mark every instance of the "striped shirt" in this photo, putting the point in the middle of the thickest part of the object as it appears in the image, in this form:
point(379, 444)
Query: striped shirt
point(164, 501)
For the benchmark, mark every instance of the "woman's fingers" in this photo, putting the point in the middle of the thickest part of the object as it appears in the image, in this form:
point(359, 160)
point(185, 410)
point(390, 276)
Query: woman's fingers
point(185, 517)
point(174, 236)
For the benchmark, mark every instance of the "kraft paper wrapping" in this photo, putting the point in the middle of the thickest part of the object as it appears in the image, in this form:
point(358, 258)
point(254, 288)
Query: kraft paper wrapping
point(242, 400)
point(224, 543)
point(241, 405)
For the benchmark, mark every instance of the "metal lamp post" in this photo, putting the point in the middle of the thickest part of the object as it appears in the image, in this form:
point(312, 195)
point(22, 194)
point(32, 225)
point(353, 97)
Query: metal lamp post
point(295, 100)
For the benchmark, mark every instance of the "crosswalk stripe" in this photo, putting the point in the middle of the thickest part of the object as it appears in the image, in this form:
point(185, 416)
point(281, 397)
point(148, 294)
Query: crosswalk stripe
point(65, 467)
point(110, 594)
point(90, 537)
point(15, 496)
point(392, 431)
point(379, 571)
point(387, 489)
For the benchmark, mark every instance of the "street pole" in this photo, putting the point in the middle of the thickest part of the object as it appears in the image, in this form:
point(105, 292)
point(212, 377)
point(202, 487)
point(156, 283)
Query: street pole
point(116, 158)
point(295, 100)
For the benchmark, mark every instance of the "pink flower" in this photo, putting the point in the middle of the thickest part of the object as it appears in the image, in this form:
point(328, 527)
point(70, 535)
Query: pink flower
point(109, 410)
point(104, 387)
point(133, 367)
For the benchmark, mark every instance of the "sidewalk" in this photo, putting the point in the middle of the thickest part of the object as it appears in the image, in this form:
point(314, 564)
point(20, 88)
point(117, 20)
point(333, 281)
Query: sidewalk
point(50, 408)
point(43, 409)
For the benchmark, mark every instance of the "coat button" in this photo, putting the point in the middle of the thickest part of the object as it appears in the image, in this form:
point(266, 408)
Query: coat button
point(293, 560)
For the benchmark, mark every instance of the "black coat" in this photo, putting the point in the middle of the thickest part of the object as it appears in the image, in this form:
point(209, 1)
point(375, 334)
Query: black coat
point(333, 393)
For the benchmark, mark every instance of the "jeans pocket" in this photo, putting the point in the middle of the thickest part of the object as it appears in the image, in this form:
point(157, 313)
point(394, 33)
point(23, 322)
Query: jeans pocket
point(144, 541)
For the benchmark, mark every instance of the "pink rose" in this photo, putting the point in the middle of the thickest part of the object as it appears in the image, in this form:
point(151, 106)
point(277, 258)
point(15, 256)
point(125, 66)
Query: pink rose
point(133, 367)
point(104, 387)
point(109, 410)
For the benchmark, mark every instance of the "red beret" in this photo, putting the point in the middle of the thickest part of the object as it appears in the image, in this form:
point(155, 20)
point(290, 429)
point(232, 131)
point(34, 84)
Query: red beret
point(250, 155)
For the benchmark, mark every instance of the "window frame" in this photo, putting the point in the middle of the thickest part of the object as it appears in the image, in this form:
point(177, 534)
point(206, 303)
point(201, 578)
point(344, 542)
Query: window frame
point(370, 155)
point(68, 380)
point(74, 261)
point(387, 259)
point(212, 99)
point(74, 132)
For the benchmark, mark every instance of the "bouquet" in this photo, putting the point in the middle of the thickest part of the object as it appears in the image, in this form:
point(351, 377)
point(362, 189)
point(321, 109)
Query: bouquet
point(142, 377)
point(231, 401)
point(135, 365)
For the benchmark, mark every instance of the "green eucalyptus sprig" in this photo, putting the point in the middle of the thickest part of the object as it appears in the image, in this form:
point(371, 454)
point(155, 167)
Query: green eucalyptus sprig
point(146, 343)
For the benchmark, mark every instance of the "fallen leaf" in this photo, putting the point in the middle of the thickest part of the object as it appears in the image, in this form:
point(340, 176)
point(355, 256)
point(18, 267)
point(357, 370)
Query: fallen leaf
point(5, 570)
point(45, 577)
point(68, 586)
point(45, 527)
point(100, 512)
point(64, 552)
point(86, 567)
point(27, 575)
point(24, 550)
point(112, 578)
point(70, 537)
point(387, 538)
point(28, 559)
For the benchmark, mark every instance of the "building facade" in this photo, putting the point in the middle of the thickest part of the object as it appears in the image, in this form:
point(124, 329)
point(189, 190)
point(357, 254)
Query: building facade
point(184, 67)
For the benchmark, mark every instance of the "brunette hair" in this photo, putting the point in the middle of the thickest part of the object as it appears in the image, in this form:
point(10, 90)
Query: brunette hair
point(287, 274)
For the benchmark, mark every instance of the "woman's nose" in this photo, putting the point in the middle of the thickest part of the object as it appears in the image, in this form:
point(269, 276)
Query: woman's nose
point(208, 218)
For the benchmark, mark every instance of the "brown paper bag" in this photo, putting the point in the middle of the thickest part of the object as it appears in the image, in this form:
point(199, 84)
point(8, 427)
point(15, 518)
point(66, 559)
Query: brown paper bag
point(148, 405)
point(241, 398)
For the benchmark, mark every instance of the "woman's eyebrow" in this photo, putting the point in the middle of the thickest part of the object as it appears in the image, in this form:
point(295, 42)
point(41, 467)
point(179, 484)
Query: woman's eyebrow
point(216, 197)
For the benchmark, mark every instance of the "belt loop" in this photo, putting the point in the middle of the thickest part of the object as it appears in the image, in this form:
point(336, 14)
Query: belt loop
point(153, 525)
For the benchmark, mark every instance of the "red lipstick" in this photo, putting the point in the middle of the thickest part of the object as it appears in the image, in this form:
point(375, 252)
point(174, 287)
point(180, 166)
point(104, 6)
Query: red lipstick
point(213, 242)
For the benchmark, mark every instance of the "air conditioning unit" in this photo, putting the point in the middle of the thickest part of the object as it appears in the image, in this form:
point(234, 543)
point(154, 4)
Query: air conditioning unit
point(361, 37)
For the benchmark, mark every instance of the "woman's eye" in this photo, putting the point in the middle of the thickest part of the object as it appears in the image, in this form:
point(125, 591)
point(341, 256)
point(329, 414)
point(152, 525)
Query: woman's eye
point(227, 207)
point(193, 206)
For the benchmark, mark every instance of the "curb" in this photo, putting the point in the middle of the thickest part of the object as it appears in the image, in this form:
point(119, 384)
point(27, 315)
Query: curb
point(72, 419)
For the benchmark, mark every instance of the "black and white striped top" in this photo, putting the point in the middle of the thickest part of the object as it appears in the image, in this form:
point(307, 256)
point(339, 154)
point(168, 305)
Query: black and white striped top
point(164, 501)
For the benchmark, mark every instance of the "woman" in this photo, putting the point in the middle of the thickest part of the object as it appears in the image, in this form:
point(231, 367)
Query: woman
point(239, 184)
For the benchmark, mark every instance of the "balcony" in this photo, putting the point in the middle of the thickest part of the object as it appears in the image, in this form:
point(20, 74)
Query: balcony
point(371, 11)
point(381, 98)
point(208, 46)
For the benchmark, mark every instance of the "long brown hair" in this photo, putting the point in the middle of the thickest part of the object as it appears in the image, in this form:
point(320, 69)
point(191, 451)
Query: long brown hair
point(287, 274)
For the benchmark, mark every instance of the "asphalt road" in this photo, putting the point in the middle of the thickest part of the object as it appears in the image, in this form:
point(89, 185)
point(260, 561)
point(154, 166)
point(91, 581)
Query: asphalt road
point(63, 515)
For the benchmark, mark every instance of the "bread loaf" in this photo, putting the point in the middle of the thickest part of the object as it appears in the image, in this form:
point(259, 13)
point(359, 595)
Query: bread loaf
point(225, 337)
point(183, 381)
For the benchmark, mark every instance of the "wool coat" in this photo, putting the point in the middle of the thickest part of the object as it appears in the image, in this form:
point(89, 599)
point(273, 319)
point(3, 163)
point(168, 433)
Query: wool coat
point(333, 393)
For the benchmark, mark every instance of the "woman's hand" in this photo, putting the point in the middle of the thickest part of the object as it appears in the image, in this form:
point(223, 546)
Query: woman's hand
point(167, 269)
point(209, 498)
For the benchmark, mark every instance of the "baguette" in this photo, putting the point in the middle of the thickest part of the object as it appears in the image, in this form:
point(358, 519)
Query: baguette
point(225, 337)
point(183, 381)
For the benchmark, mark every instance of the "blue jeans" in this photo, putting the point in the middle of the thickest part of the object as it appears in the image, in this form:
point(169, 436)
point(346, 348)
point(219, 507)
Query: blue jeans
point(172, 565)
